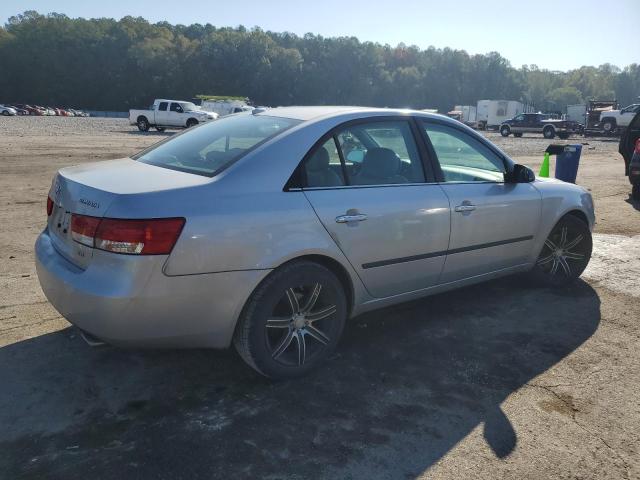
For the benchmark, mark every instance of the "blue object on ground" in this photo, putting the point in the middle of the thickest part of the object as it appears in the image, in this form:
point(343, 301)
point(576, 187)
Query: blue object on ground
point(567, 163)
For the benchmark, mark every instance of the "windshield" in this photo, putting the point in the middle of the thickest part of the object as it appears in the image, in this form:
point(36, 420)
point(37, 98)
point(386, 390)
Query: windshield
point(211, 147)
point(188, 106)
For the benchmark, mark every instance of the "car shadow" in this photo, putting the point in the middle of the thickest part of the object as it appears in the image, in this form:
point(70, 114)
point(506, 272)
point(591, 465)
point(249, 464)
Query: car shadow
point(634, 203)
point(406, 384)
point(155, 133)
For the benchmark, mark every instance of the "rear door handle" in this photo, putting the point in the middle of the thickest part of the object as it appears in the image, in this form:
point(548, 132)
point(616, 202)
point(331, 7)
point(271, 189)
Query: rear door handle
point(359, 217)
point(465, 208)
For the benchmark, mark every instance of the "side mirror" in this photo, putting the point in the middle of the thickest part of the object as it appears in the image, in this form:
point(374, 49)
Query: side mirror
point(519, 174)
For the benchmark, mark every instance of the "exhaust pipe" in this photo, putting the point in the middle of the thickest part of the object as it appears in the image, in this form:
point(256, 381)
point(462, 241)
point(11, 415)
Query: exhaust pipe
point(91, 340)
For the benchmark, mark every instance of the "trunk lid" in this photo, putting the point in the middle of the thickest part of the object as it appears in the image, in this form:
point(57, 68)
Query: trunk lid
point(90, 189)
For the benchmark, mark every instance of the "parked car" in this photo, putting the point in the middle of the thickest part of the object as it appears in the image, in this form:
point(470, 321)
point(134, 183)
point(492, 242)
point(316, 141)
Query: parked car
point(260, 230)
point(6, 111)
point(169, 114)
point(539, 123)
point(629, 148)
point(31, 109)
point(19, 111)
point(613, 120)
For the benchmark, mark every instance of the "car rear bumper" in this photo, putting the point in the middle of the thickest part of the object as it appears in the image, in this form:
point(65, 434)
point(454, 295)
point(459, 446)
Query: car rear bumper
point(127, 300)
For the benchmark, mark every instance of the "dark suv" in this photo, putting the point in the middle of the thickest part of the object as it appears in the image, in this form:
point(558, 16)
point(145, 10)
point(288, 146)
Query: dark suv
point(538, 123)
point(629, 148)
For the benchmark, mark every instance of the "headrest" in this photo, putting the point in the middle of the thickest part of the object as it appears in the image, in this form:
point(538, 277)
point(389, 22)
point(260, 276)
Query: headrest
point(319, 160)
point(381, 162)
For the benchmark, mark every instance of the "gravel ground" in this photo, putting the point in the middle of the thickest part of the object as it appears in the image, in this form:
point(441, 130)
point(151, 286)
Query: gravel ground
point(494, 381)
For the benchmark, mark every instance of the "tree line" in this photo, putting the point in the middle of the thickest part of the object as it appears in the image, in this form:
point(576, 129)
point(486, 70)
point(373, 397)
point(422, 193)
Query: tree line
point(108, 64)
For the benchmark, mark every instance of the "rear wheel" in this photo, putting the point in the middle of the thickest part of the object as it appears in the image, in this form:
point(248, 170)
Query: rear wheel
point(293, 320)
point(548, 132)
point(143, 124)
point(5, 113)
point(505, 131)
point(565, 254)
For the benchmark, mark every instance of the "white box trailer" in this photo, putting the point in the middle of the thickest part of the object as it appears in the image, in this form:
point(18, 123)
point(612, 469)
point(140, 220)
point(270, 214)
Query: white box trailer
point(577, 113)
point(468, 113)
point(491, 113)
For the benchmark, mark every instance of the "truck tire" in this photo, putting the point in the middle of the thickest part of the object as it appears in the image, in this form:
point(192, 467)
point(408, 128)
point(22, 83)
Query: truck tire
point(609, 125)
point(549, 132)
point(192, 122)
point(143, 124)
point(505, 131)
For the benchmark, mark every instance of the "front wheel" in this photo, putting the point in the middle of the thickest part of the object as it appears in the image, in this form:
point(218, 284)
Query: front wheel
point(565, 254)
point(5, 113)
point(292, 321)
point(192, 122)
point(609, 125)
point(505, 131)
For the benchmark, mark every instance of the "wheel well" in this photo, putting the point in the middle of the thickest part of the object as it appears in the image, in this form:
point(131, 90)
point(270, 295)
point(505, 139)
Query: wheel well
point(546, 127)
point(580, 215)
point(609, 119)
point(338, 270)
point(141, 117)
point(192, 120)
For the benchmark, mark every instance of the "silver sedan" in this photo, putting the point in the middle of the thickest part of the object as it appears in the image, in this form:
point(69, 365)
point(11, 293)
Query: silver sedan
point(269, 229)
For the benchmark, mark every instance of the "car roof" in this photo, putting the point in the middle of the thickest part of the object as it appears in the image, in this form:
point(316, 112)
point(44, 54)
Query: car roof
point(306, 113)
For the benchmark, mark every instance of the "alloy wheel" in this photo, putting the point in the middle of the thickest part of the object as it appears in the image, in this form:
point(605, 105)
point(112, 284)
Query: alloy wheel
point(300, 327)
point(566, 252)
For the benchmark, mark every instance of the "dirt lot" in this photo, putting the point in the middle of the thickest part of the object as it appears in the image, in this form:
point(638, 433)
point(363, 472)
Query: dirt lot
point(494, 381)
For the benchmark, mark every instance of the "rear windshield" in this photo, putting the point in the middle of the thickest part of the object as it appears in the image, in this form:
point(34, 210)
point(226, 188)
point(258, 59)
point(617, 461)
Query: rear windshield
point(209, 148)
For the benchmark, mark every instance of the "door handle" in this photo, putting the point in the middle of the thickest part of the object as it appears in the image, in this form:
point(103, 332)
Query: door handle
point(465, 208)
point(358, 217)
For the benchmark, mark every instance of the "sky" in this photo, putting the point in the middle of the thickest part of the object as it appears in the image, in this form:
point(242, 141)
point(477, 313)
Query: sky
point(557, 35)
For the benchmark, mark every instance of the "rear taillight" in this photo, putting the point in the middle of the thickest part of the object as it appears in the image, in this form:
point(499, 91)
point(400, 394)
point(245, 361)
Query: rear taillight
point(137, 237)
point(49, 206)
point(637, 149)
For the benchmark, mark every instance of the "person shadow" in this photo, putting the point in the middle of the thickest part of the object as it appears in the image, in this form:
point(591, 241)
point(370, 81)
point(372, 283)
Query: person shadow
point(405, 385)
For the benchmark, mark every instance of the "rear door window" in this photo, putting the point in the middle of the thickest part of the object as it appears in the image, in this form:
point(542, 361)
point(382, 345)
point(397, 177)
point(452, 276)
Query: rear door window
point(163, 106)
point(211, 147)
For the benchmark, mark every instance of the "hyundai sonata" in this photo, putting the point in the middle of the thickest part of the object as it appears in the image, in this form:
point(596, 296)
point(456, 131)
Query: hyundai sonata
point(269, 229)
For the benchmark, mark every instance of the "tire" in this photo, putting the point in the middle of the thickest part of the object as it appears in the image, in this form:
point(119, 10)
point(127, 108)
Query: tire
point(635, 192)
point(505, 131)
point(609, 125)
point(277, 333)
point(143, 124)
point(192, 122)
point(5, 113)
point(160, 129)
point(549, 132)
point(517, 135)
point(565, 254)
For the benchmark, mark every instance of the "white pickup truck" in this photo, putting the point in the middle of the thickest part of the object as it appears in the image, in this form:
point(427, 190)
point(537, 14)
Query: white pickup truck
point(169, 114)
point(613, 119)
